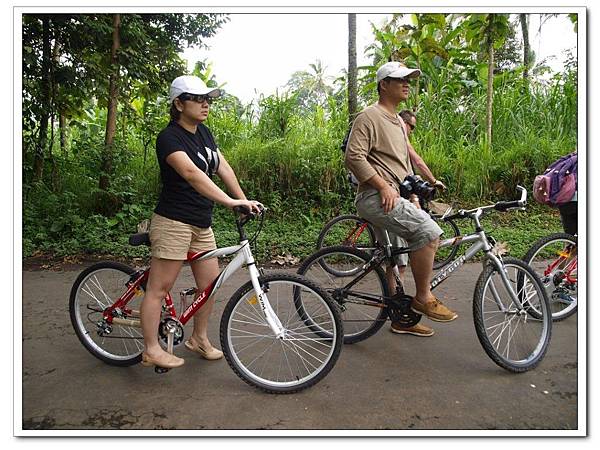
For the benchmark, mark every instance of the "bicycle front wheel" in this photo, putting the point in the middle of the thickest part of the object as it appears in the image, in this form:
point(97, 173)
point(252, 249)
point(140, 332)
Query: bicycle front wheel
point(94, 290)
point(554, 260)
point(511, 336)
point(298, 359)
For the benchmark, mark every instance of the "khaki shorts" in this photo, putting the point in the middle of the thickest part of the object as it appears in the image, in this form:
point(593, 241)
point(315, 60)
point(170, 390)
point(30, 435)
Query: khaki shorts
point(171, 239)
point(405, 220)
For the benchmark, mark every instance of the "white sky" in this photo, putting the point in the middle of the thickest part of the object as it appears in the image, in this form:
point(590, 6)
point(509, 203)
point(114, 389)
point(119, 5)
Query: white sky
point(257, 53)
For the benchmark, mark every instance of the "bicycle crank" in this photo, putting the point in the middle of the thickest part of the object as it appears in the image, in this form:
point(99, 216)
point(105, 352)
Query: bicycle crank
point(399, 311)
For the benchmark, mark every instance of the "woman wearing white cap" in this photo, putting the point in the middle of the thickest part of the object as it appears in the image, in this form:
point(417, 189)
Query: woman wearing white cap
point(188, 158)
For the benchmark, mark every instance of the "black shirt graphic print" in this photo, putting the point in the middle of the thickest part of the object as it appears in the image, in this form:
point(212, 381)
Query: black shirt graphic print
point(178, 199)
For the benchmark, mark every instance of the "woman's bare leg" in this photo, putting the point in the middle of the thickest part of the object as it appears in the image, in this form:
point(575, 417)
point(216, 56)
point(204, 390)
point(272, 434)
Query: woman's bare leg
point(163, 273)
point(205, 273)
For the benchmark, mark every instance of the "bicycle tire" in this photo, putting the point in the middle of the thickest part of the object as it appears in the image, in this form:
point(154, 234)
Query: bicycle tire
point(313, 267)
point(556, 289)
point(327, 236)
point(445, 255)
point(491, 336)
point(243, 321)
point(108, 279)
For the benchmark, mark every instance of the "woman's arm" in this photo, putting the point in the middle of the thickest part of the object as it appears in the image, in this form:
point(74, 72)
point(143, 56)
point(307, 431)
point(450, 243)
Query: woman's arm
point(184, 166)
point(227, 174)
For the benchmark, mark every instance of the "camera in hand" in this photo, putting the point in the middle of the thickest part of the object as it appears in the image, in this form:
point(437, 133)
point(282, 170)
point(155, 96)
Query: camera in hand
point(413, 184)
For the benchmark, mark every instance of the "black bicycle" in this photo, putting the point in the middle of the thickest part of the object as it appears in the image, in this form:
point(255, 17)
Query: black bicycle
point(511, 312)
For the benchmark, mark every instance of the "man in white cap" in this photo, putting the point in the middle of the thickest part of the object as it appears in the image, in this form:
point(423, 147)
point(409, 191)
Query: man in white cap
point(378, 155)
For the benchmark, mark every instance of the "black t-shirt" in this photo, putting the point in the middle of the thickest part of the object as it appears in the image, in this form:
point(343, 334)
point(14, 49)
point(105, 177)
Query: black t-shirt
point(178, 199)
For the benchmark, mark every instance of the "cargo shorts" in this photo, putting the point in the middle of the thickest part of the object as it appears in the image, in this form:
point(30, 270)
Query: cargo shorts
point(407, 225)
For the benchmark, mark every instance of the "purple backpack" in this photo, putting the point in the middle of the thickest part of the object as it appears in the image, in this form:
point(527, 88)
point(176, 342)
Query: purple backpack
point(558, 183)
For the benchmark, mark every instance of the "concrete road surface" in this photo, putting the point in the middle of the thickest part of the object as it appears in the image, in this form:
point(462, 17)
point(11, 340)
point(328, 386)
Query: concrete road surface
point(388, 382)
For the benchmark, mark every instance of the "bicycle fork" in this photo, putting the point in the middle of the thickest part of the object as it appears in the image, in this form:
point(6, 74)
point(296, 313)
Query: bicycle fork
point(507, 284)
point(261, 296)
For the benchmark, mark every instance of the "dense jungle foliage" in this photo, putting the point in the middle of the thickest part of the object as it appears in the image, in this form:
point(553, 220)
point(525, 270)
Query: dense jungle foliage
point(489, 117)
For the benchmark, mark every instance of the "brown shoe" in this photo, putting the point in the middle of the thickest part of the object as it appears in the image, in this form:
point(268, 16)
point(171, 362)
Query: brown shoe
point(167, 362)
point(434, 309)
point(211, 353)
point(415, 330)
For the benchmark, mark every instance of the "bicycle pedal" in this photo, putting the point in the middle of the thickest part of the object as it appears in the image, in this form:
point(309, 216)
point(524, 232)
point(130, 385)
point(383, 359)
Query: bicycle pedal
point(160, 370)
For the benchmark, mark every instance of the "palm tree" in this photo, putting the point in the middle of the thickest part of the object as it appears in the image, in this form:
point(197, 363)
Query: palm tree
point(311, 87)
point(526, 51)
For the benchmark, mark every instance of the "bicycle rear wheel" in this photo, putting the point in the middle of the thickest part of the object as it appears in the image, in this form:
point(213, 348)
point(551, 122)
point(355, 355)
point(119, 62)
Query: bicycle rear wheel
point(332, 268)
point(511, 336)
point(95, 289)
point(292, 363)
point(554, 260)
point(348, 230)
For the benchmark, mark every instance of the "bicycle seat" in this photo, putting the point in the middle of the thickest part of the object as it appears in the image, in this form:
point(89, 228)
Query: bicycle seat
point(139, 239)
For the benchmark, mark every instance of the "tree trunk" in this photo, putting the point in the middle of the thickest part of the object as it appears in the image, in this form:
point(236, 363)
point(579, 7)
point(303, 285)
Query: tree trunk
point(352, 75)
point(57, 100)
point(526, 51)
point(490, 84)
point(62, 126)
point(111, 117)
point(40, 151)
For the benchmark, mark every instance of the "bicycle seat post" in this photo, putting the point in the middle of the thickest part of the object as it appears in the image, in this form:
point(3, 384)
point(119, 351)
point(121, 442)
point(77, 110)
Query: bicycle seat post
point(387, 245)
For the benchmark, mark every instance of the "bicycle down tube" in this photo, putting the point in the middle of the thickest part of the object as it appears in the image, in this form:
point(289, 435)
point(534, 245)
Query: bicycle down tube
point(244, 256)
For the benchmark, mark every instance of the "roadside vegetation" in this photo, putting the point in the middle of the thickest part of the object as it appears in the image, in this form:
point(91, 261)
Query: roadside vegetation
point(91, 114)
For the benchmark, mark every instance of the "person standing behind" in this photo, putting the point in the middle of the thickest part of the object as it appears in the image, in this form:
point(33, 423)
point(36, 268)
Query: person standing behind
point(188, 158)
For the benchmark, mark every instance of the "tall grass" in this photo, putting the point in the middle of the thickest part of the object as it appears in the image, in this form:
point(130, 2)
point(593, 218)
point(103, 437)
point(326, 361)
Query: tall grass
point(290, 159)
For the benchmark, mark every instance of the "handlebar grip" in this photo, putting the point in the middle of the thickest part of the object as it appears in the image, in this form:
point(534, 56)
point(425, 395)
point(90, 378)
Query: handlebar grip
point(241, 210)
point(503, 206)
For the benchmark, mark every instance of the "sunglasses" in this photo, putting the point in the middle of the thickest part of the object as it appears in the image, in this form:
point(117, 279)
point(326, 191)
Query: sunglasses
point(412, 127)
point(196, 98)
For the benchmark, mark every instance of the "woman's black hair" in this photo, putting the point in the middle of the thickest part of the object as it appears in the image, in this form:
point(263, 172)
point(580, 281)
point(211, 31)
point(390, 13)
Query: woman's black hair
point(174, 112)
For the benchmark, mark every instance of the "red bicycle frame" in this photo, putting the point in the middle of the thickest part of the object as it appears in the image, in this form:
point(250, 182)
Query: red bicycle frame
point(571, 266)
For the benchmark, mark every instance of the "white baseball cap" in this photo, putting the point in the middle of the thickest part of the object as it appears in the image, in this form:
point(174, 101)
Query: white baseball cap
point(396, 69)
point(191, 85)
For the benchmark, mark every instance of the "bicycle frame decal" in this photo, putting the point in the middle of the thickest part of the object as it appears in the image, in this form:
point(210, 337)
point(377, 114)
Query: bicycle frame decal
point(210, 290)
point(446, 271)
point(480, 244)
point(199, 301)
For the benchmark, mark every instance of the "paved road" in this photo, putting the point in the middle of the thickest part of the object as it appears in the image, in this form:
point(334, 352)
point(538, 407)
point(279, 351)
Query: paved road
point(386, 382)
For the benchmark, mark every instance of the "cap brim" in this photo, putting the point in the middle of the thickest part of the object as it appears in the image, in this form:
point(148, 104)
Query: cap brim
point(405, 72)
point(211, 92)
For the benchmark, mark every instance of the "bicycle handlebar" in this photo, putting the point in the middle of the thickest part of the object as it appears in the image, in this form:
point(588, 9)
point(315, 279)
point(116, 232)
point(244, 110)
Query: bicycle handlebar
point(499, 206)
point(246, 214)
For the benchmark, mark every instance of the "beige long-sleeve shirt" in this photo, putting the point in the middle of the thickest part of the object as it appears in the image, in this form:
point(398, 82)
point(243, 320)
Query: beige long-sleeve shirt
point(378, 145)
